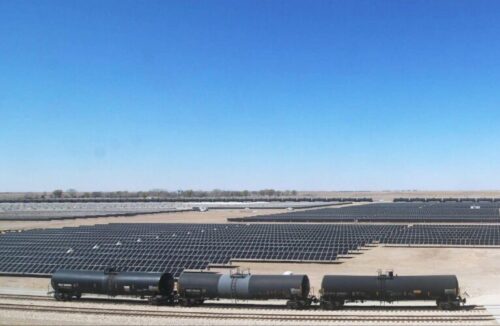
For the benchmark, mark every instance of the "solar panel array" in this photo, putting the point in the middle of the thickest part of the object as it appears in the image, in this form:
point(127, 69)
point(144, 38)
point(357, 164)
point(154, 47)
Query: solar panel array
point(175, 247)
point(446, 199)
point(59, 211)
point(390, 212)
point(54, 211)
point(268, 205)
point(185, 199)
point(456, 235)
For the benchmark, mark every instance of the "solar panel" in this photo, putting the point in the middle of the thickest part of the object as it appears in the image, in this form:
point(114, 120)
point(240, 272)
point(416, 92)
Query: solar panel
point(455, 235)
point(52, 211)
point(175, 247)
point(484, 212)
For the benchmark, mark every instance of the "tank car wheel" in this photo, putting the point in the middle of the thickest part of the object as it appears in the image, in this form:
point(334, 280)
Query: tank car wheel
point(339, 304)
point(331, 305)
point(59, 296)
point(297, 305)
point(327, 305)
point(158, 300)
point(305, 304)
point(442, 305)
point(454, 305)
point(67, 296)
point(448, 305)
point(77, 296)
point(170, 301)
point(190, 302)
point(154, 301)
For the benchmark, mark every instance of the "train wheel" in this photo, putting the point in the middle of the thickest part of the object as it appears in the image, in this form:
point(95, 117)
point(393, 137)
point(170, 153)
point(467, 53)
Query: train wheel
point(154, 300)
point(297, 305)
point(448, 305)
point(77, 296)
point(190, 302)
point(170, 301)
point(327, 305)
point(67, 296)
point(443, 305)
point(59, 296)
point(304, 304)
point(454, 305)
point(331, 305)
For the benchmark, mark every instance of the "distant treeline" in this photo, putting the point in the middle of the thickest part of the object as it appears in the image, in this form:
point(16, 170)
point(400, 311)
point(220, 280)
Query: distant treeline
point(216, 193)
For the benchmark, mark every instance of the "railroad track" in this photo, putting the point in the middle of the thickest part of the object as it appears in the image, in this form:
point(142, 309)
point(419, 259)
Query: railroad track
point(26, 297)
point(189, 313)
point(233, 305)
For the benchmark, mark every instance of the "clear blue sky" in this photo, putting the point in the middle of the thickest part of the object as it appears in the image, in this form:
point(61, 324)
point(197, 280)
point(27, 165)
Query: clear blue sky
point(327, 95)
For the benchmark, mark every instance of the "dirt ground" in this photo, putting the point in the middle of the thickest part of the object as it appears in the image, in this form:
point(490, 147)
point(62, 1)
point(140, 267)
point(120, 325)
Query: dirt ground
point(210, 216)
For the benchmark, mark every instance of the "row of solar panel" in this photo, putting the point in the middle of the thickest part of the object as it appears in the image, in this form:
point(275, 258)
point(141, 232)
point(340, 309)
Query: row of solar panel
point(483, 235)
point(95, 247)
point(173, 247)
point(61, 211)
point(447, 199)
point(390, 212)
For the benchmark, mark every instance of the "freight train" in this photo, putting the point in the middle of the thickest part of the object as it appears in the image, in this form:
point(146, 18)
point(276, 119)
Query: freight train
point(193, 288)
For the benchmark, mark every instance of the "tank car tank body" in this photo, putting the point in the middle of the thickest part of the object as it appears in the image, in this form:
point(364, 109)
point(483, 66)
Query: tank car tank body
point(71, 284)
point(195, 287)
point(338, 289)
